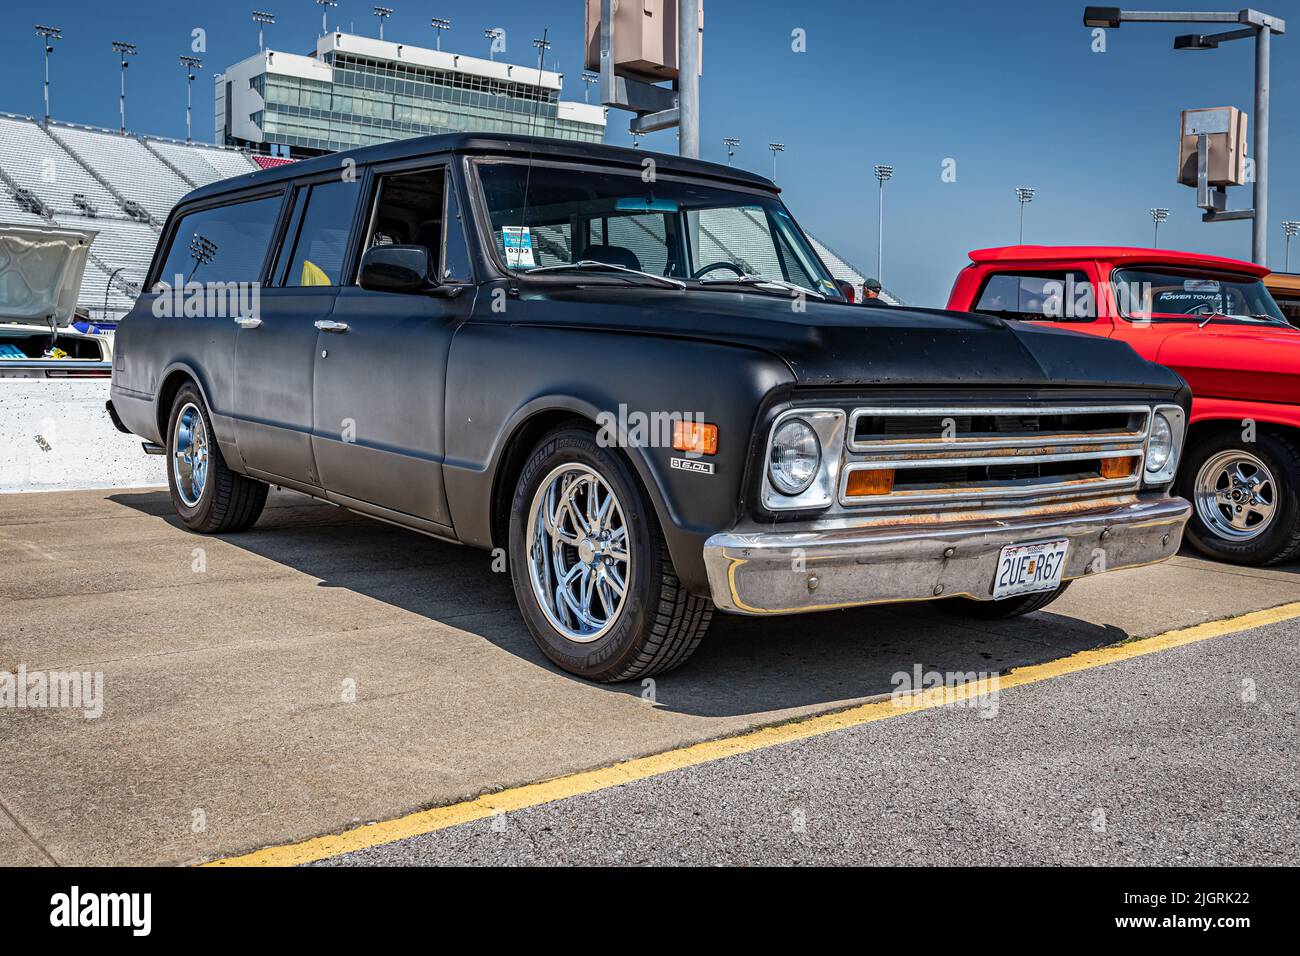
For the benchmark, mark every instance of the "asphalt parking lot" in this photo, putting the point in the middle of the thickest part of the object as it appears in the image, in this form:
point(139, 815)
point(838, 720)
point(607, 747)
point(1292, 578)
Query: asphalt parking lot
point(324, 671)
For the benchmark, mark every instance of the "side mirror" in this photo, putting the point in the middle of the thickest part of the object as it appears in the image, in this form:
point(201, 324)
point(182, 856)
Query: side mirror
point(847, 290)
point(406, 269)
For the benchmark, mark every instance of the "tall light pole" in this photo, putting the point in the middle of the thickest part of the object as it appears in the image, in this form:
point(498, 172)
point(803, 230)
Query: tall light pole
point(439, 24)
point(1260, 26)
point(1158, 215)
point(324, 13)
point(775, 148)
point(262, 19)
point(883, 173)
point(383, 13)
point(1289, 228)
point(588, 80)
point(688, 79)
point(123, 50)
point(731, 143)
point(494, 34)
point(1025, 195)
point(48, 35)
point(190, 63)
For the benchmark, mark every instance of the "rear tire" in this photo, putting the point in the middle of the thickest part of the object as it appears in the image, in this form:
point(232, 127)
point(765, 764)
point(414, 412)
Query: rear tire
point(655, 624)
point(209, 497)
point(1005, 608)
point(1267, 472)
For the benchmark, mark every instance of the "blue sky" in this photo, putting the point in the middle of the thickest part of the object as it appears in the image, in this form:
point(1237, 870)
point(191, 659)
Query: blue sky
point(1008, 89)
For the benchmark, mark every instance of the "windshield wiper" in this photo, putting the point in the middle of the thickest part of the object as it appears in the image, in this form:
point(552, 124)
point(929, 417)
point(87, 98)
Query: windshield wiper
point(758, 280)
point(591, 265)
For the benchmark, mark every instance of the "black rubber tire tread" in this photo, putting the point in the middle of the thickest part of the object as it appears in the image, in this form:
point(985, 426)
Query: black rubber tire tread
point(1004, 609)
point(230, 502)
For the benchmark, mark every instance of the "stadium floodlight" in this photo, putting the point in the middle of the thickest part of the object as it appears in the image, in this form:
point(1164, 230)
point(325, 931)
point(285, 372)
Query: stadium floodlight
point(775, 148)
point(493, 34)
point(1289, 229)
point(883, 174)
point(123, 50)
point(262, 19)
point(1025, 195)
point(439, 24)
point(1250, 24)
point(190, 63)
point(588, 79)
point(383, 13)
point(48, 35)
point(324, 13)
point(1158, 215)
point(731, 143)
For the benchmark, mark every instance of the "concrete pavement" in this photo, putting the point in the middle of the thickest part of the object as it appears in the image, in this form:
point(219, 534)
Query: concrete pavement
point(324, 670)
point(1159, 760)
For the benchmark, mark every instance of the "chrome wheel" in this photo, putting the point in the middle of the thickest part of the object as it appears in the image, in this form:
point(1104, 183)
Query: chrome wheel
point(190, 455)
point(578, 556)
point(1236, 495)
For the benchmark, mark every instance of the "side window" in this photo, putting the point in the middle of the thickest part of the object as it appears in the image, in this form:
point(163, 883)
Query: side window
point(1037, 296)
point(321, 239)
point(222, 244)
point(412, 209)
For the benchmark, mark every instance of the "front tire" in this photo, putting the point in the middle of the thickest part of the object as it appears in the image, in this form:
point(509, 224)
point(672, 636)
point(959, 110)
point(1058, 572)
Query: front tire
point(590, 567)
point(209, 497)
point(1004, 609)
point(1245, 497)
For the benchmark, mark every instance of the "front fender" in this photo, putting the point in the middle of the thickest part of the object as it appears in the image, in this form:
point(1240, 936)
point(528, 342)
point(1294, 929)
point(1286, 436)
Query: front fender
point(501, 376)
point(1239, 412)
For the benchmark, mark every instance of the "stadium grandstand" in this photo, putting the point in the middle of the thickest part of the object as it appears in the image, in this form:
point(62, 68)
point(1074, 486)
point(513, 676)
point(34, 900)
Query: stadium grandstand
point(120, 187)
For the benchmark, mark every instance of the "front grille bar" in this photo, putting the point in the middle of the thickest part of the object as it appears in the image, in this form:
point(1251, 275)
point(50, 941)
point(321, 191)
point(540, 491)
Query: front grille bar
point(1021, 448)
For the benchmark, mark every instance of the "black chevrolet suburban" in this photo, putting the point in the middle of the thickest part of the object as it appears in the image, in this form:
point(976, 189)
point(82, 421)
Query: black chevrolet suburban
point(633, 375)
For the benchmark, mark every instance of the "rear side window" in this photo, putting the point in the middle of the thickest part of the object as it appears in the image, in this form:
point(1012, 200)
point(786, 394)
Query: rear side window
point(222, 243)
point(321, 241)
point(1036, 296)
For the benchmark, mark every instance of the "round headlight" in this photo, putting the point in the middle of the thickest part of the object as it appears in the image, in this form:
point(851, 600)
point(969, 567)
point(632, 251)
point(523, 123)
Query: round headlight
point(796, 456)
point(1161, 445)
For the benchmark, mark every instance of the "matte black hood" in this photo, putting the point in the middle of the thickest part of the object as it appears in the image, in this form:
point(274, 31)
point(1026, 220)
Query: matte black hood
point(837, 344)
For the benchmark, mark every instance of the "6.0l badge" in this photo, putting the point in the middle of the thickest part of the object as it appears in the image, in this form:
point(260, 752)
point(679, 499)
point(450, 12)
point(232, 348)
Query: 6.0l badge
point(687, 464)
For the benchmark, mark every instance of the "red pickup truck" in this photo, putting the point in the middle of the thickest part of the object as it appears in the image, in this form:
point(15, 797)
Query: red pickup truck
point(1211, 320)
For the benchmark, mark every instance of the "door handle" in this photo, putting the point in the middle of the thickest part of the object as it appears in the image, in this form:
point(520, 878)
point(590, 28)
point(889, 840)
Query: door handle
point(248, 323)
point(328, 325)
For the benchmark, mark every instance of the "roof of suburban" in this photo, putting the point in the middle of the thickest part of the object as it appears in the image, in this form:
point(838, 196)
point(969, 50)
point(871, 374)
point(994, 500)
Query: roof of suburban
point(1128, 254)
point(488, 143)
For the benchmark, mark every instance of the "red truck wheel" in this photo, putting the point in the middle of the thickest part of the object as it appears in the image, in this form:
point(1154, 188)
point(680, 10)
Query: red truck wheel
point(1246, 497)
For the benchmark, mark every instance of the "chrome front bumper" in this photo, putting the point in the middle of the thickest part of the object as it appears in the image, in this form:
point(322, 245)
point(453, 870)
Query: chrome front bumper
point(791, 571)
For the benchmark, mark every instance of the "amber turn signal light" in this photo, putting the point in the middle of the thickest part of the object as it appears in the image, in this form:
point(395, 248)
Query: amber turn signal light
point(1118, 467)
point(695, 437)
point(862, 483)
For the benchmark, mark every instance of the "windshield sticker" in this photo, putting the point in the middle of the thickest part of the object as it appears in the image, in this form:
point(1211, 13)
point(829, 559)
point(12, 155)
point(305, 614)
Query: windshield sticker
point(518, 241)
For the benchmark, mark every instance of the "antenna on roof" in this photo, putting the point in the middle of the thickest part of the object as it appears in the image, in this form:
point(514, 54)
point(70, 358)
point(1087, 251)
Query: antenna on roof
point(542, 46)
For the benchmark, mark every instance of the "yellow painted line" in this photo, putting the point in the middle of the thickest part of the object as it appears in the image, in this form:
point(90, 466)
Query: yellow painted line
point(590, 781)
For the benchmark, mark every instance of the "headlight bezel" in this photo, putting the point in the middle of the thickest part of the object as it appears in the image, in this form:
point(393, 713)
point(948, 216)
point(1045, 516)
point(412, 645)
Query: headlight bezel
point(827, 425)
point(1176, 419)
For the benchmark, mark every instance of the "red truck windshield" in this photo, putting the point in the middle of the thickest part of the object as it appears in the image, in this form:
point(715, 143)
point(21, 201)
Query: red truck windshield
point(1170, 295)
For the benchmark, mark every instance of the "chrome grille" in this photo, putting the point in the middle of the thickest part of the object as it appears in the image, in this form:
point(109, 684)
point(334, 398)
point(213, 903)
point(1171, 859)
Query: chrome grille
point(967, 455)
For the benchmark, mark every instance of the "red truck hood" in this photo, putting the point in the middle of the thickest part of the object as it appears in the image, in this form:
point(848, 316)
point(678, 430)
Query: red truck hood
point(1254, 364)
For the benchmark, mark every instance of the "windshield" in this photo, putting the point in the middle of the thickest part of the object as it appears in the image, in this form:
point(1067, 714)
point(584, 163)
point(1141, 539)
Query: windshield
point(1195, 296)
point(702, 235)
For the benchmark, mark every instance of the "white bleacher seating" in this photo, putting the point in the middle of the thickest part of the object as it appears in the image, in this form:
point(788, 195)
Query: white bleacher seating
point(203, 164)
point(34, 161)
point(128, 166)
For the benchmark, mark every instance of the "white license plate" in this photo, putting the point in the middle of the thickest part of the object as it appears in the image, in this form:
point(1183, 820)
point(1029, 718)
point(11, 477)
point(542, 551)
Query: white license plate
point(1028, 568)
